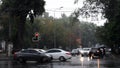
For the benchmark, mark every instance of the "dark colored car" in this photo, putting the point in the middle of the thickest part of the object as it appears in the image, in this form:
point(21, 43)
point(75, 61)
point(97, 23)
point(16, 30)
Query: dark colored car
point(95, 53)
point(75, 52)
point(31, 55)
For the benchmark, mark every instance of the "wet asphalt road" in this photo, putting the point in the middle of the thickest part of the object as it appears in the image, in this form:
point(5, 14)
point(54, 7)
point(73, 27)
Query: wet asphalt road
point(109, 61)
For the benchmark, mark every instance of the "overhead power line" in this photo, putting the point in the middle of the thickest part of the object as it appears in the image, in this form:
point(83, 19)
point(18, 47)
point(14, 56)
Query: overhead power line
point(60, 10)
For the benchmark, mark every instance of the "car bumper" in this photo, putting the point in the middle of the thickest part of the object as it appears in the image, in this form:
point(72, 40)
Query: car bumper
point(68, 57)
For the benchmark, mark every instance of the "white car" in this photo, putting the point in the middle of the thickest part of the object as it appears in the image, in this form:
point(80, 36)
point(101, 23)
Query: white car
point(79, 49)
point(75, 52)
point(59, 54)
point(85, 51)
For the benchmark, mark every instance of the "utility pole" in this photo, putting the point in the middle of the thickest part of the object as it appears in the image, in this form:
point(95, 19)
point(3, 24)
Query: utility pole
point(9, 28)
point(55, 27)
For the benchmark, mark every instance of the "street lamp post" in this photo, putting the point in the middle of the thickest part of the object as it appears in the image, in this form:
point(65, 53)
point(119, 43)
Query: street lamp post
point(54, 37)
point(55, 27)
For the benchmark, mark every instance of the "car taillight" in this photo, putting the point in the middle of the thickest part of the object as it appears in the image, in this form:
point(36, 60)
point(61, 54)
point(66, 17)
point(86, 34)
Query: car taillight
point(14, 55)
point(68, 53)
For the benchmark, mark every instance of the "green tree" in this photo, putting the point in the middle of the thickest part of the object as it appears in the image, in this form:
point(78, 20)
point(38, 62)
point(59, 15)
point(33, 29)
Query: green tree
point(67, 29)
point(110, 9)
point(88, 34)
point(4, 27)
point(18, 11)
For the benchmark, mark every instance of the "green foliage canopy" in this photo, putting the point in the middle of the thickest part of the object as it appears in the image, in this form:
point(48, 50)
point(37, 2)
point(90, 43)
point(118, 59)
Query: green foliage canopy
point(18, 10)
point(109, 33)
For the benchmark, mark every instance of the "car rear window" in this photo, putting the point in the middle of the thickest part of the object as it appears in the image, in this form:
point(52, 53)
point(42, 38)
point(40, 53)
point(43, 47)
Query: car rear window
point(53, 51)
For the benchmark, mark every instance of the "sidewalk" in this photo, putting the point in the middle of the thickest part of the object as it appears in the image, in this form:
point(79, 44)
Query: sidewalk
point(4, 56)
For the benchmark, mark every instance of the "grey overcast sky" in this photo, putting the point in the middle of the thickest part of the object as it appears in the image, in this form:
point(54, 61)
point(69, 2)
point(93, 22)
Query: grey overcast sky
point(68, 6)
point(53, 7)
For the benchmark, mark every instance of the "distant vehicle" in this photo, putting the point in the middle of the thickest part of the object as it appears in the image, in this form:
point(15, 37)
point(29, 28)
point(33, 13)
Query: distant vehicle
point(80, 49)
point(85, 51)
point(95, 53)
point(75, 52)
point(59, 54)
point(31, 55)
point(108, 50)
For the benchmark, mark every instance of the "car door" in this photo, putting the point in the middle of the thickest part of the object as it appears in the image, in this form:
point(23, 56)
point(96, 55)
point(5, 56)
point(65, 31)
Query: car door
point(25, 54)
point(34, 55)
point(54, 53)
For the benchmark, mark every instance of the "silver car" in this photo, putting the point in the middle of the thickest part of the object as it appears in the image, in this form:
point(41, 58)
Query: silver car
point(31, 55)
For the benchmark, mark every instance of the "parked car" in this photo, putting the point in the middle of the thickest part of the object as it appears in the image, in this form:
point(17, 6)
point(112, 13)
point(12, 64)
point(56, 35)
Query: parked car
point(75, 52)
point(85, 51)
point(59, 54)
point(108, 50)
point(31, 55)
point(95, 53)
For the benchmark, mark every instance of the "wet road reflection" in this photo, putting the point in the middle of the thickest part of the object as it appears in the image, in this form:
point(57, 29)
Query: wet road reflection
point(98, 63)
point(75, 62)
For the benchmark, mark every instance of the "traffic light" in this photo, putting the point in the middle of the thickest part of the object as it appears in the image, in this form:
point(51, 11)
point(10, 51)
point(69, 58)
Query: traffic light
point(36, 37)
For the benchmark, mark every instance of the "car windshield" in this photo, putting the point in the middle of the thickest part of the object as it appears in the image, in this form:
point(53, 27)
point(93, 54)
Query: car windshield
point(74, 50)
point(86, 49)
point(66, 33)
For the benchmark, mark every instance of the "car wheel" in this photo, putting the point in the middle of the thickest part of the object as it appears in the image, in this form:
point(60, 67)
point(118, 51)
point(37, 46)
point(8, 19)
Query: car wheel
point(51, 58)
point(62, 58)
point(39, 61)
point(21, 60)
point(44, 59)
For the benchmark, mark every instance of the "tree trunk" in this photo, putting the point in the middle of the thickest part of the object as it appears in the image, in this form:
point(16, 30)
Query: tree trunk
point(19, 39)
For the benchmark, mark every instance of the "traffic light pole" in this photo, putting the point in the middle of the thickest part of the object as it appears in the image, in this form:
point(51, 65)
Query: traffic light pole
point(36, 39)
